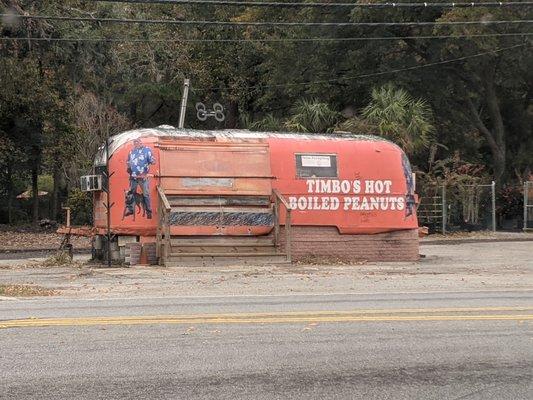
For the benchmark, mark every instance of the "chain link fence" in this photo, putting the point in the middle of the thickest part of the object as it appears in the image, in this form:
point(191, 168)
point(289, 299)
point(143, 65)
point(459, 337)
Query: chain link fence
point(528, 206)
point(432, 207)
point(457, 208)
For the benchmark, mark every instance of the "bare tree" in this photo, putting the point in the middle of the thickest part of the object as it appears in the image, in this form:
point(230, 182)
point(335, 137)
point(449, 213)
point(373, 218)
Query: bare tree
point(95, 119)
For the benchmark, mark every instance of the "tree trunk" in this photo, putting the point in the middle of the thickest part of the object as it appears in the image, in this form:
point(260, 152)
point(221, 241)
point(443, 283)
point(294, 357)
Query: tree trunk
point(54, 212)
point(494, 132)
point(35, 167)
point(495, 141)
point(498, 129)
point(233, 115)
point(35, 192)
point(9, 193)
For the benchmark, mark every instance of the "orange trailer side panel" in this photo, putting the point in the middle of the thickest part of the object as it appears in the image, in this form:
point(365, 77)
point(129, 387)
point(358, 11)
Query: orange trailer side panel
point(371, 191)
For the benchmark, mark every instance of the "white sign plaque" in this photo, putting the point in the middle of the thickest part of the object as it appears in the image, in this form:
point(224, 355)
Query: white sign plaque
point(316, 161)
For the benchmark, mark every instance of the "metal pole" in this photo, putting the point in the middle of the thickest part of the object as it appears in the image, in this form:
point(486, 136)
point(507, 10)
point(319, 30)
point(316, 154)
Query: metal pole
point(444, 216)
point(525, 204)
point(108, 201)
point(493, 193)
point(183, 109)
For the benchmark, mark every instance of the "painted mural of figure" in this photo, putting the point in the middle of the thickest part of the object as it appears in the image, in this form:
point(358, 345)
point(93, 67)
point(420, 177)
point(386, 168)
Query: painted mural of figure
point(139, 161)
point(410, 198)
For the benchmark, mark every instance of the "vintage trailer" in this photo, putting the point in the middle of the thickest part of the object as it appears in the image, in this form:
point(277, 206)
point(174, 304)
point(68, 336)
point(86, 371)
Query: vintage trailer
point(181, 196)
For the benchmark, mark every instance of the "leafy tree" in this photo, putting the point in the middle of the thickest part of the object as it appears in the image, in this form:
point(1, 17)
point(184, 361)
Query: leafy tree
point(54, 96)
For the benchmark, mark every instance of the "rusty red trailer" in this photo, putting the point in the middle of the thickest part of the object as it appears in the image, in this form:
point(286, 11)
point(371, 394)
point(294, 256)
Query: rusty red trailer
point(352, 196)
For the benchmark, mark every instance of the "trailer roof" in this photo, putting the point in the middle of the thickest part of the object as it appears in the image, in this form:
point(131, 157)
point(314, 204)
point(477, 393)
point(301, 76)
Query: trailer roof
point(170, 131)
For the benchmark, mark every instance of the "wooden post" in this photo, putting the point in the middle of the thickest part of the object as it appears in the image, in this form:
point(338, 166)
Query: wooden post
point(183, 109)
point(527, 206)
point(167, 236)
point(164, 224)
point(158, 232)
point(288, 235)
point(276, 221)
point(67, 209)
point(444, 211)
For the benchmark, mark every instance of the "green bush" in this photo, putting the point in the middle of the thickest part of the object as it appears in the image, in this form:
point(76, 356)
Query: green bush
point(81, 207)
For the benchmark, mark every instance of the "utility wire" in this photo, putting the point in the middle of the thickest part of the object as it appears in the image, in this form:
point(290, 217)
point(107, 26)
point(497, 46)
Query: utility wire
point(491, 4)
point(265, 23)
point(274, 40)
point(374, 74)
point(261, 23)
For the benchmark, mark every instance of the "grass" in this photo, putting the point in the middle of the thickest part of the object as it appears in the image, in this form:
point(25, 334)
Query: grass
point(25, 291)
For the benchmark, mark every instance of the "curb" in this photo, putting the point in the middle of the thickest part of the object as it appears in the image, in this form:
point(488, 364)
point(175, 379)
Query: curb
point(461, 241)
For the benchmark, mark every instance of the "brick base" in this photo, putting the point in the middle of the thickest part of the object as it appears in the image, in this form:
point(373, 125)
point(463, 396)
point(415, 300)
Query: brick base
point(326, 242)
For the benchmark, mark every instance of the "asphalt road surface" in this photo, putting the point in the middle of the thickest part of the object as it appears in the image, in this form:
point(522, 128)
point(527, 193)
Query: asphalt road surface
point(344, 346)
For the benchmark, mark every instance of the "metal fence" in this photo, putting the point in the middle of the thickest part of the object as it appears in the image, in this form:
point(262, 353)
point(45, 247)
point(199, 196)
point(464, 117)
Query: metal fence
point(528, 206)
point(432, 207)
point(458, 208)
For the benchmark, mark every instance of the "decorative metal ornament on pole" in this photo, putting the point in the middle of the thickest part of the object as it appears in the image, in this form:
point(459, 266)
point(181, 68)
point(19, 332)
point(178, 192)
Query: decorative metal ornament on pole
point(183, 110)
point(202, 113)
point(108, 204)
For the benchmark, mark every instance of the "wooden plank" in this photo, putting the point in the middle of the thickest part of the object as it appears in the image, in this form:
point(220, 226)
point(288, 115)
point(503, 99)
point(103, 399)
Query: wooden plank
point(223, 249)
point(246, 189)
point(226, 241)
point(195, 261)
point(219, 200)
point(255, 210)
point(163, 198)
point(219, 254)
point(281, 198)
point(289, 237)
point(216, 159)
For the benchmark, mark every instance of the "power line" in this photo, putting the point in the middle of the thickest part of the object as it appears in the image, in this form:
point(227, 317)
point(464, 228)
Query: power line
point(492, 4)
point(272, 40)
point(261, 23)
point(373, 74)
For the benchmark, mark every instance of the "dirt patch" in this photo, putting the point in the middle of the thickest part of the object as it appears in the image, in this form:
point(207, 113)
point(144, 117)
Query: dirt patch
point(25, 291)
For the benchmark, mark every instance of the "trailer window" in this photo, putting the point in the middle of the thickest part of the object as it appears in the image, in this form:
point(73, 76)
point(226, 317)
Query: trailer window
point(316, 165)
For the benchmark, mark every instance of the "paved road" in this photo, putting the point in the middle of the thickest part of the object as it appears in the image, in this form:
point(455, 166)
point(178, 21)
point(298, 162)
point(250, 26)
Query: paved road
point(342, 346)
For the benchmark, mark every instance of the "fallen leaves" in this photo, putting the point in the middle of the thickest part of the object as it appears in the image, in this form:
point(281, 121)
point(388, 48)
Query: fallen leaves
point(25, 291)
point(29, 238)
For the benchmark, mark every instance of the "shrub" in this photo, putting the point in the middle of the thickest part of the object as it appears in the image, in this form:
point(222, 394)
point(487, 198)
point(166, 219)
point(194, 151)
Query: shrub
point(510, 202)
point(81, 207)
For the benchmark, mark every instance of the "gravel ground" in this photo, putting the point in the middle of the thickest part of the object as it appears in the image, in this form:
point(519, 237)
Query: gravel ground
point(464, 267)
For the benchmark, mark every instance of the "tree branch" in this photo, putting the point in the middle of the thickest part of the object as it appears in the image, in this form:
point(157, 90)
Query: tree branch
point(481, 126)
point(494, 109)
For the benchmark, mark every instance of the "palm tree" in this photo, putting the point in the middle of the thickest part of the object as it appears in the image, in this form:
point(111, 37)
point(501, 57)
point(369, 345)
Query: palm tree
point(268, 123)
point(398, 116)
point(312, 116)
